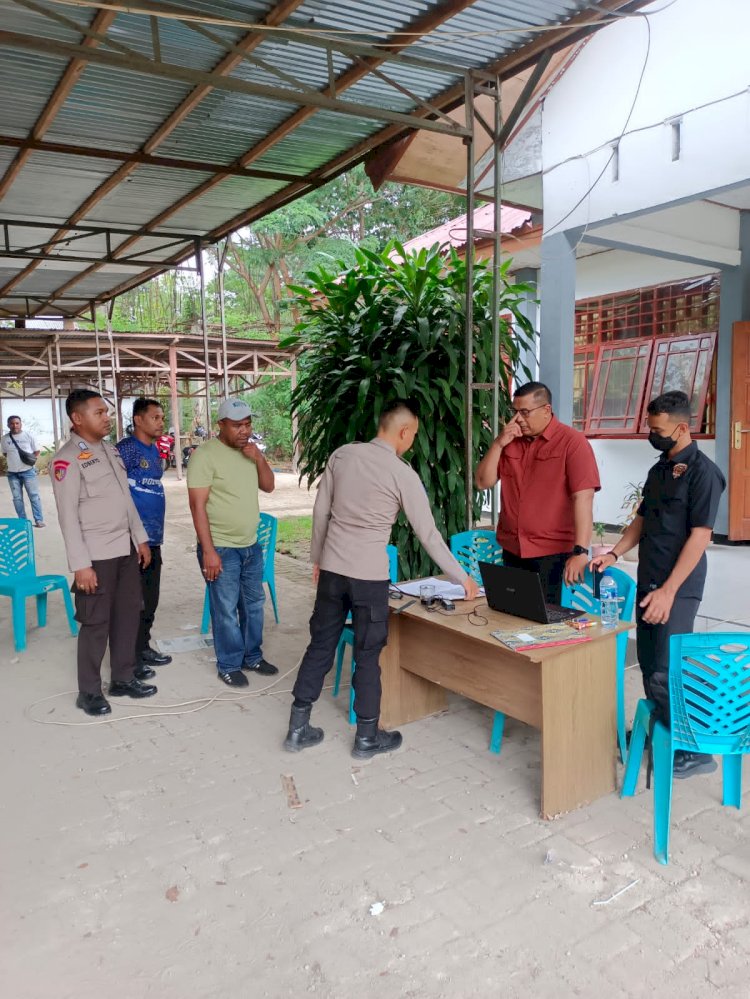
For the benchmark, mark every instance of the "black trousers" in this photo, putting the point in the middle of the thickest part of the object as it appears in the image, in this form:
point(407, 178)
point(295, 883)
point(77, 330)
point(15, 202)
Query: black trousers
point(368, 602)
point(652, 643)
point(549, 567)
point(110, 615)
point(150, 588)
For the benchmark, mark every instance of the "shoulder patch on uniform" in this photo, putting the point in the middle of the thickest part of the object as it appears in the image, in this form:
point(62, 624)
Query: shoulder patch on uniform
point(60, 469)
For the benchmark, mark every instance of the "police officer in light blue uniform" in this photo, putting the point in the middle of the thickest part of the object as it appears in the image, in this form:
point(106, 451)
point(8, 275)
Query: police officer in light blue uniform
point(144, 467)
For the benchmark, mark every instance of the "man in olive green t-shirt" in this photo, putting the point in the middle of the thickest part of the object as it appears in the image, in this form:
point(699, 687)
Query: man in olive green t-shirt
point(223, 477)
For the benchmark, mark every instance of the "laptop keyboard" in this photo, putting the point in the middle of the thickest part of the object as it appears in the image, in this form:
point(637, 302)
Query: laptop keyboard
point(554, 615)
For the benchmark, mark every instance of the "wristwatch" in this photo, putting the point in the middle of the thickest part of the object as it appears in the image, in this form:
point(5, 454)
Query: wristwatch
point(580, 550)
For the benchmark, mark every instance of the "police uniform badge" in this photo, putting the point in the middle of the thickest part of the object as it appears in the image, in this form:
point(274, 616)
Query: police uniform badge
point(60, 470)
point(144, 463)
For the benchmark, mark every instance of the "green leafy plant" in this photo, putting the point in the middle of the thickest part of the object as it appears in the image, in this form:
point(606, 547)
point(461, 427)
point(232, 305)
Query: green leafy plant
point(631, 501)
point(393, 325)
point(600, 530)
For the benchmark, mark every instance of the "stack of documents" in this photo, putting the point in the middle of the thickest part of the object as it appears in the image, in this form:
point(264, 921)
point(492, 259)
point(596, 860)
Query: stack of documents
point(540, 636)
point(443, 588)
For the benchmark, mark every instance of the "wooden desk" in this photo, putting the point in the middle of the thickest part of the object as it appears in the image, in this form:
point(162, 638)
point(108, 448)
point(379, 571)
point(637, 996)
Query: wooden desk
point(567, 692)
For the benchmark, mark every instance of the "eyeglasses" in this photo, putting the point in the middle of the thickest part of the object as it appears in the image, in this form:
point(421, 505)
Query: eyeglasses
point(525, 412)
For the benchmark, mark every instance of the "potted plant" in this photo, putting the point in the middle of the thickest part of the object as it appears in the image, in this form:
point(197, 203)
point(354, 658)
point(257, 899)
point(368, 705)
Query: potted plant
point(601, 548)
point(630, 503)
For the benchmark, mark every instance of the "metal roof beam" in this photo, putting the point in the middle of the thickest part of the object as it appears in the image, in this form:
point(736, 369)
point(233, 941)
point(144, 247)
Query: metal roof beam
point(78, 259)
point(142, 159)
point(67, 81)
point(80, 230)
point(306, 98)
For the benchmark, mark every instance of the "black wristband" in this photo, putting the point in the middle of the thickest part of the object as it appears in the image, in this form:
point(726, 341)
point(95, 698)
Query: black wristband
point(580, 550)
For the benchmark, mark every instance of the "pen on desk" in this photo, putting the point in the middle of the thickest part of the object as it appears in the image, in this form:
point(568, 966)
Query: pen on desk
point(403, 607)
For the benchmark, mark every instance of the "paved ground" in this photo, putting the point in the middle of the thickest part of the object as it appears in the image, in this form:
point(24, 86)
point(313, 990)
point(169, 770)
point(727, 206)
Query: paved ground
point(156, 855)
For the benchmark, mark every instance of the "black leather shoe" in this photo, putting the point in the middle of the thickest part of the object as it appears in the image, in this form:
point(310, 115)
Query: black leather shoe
point(143, 672)
point(689, 764)
point(133, 689)
point(262, 667)
point(234, 678)
point(371, 740)
point(154, 658)
point(93, 704)
point(301, 733)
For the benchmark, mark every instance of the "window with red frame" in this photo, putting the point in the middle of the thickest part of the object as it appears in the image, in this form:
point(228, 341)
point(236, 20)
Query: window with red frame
point(632, 346)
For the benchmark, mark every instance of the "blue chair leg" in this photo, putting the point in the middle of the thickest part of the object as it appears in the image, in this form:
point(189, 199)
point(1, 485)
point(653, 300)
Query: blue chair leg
point(663, 756)
point(70, 611)
point(732, 779)
point(352, 716)
point(339, 664)
point(206, 619)
point(621, 739)
point(496, 739)
point(41, 609)
point(272, 591)
point(641, 724)
point(19, 622)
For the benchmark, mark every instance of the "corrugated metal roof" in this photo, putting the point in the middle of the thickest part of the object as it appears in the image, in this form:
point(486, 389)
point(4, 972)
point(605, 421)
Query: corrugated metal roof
point(111, 107)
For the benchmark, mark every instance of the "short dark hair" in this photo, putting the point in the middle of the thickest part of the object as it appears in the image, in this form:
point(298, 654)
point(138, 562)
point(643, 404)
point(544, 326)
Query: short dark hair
point(7, 422)
point(397, 407)
point(674, 404)
point(78, 399)
point(141, 404)
point(538, 389)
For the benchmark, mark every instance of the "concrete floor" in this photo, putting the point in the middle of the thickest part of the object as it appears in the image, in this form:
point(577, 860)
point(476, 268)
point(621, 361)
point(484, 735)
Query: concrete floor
point(155, 854)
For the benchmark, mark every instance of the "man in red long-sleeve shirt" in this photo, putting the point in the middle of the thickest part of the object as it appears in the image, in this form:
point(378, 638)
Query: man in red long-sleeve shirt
point(548, 477)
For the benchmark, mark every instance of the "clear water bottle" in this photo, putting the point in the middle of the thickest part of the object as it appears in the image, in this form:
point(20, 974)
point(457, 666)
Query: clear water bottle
point(610, 608)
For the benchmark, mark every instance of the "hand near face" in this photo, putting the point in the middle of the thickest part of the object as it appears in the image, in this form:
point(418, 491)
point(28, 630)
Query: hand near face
point(252, 452)
point(510, 431)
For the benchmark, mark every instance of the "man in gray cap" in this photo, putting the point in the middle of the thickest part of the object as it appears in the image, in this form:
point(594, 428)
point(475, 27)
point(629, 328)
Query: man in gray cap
point(223, 479)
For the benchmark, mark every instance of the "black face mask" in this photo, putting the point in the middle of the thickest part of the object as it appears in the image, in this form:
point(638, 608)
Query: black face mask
point(661, 443)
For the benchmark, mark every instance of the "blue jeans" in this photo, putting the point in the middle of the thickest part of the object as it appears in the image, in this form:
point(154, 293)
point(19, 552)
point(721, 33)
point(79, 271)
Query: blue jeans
point(236, 600)
point(17, 481)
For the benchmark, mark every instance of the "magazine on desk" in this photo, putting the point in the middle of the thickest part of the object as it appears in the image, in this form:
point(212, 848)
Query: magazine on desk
point(540, 636)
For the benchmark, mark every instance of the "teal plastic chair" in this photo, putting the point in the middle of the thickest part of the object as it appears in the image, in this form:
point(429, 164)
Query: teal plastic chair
point(472, 547)
point(581, 596)
point(18, 579)
point(709, 701)
point(267, 527)
point(347, 638)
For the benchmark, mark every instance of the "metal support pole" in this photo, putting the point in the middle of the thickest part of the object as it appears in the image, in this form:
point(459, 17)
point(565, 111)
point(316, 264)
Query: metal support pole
point(115, 387)
point(496, 261)
point(53, 393)
point(175, 408)
point(204, 326)
point(295, 422)
point(98, 349)
point(224, 361)
point(469, 305)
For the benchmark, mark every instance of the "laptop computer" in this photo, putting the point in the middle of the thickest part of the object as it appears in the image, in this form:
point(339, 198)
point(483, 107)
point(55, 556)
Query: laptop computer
point(519, 592)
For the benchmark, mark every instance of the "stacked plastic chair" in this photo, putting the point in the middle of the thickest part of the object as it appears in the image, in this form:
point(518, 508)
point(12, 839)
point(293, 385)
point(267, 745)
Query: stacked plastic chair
point(469, 548)
point(267, 527)
point(581, 596)
point(709, 701)
point(347, 638)
point(18, 579)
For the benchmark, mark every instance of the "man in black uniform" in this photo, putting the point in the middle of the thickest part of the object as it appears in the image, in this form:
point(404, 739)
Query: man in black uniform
point(672, 529)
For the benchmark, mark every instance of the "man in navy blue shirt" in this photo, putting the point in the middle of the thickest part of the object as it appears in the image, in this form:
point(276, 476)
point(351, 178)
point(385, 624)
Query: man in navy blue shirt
point(144, 467)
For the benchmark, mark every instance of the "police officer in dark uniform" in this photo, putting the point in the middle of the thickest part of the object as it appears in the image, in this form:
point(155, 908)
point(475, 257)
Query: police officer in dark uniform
point(672, 529)
point(105, 543)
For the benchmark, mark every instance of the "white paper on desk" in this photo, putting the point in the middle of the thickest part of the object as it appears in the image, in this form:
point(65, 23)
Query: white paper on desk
point(443, 588)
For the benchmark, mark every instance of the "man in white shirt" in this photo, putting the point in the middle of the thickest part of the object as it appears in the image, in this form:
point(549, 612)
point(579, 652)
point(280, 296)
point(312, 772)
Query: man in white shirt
point(22, 475)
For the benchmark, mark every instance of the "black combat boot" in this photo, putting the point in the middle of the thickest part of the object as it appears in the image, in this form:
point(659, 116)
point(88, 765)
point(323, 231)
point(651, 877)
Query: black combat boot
point(371, 740)
point(301, 733)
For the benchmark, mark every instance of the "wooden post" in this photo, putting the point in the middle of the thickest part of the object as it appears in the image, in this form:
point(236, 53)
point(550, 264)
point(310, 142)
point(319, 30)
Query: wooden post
point(53, 394)
point(175, 408)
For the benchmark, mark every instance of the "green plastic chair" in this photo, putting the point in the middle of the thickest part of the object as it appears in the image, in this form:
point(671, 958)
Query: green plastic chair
point(18, 579)
point(469, 548)
point(347, 638)
point(267, 527)
point(709, 703)
point(581, 596)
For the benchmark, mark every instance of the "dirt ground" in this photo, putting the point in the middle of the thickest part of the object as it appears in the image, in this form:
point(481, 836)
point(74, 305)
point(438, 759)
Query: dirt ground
point(158, 853)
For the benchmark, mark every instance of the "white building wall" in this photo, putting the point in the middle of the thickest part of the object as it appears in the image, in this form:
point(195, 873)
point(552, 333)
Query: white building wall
point(696, 70)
